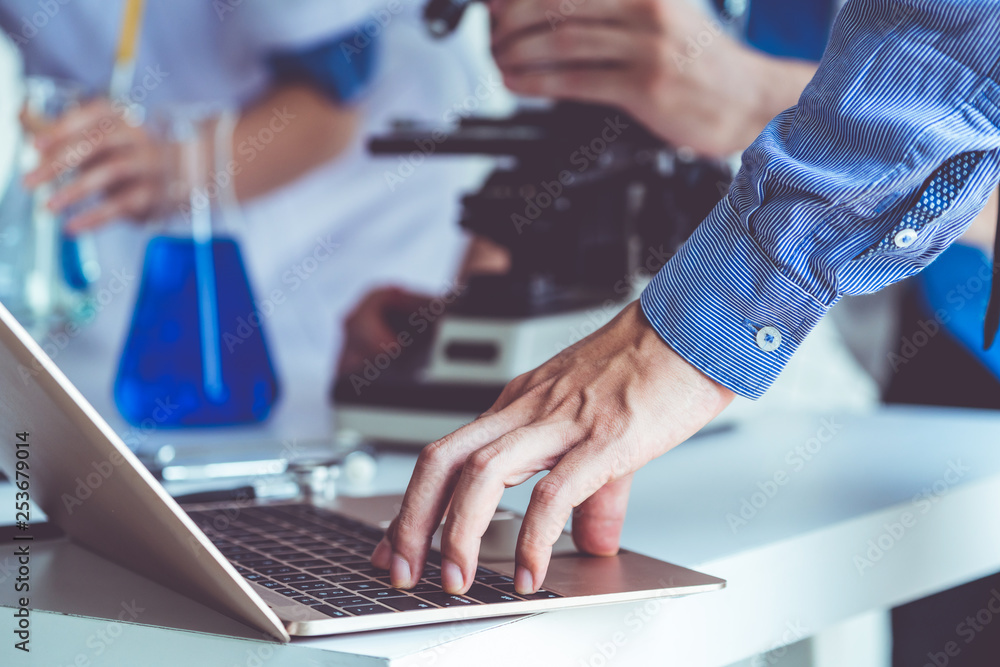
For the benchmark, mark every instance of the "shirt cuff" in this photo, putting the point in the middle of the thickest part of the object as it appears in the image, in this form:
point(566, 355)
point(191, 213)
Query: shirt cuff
point(725, 307)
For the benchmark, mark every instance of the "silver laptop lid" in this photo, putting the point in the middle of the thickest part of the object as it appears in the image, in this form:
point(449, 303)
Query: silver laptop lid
point(91, 485)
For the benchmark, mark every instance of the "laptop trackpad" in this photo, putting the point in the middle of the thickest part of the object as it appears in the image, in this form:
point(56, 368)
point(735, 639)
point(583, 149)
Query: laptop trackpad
point(500, 540)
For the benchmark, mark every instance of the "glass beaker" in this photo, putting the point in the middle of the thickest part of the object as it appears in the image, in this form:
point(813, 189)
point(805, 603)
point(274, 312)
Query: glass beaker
point(43, 273)
point(196, 353)
point(46, 100)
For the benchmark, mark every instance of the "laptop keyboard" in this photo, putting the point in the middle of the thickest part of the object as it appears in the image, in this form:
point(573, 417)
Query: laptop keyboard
point(321, 559)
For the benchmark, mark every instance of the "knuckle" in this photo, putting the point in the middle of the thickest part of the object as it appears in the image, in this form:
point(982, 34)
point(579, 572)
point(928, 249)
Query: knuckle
point(516, 386)
point(407, 530)
point(434, 455)
point(537, 540)
point(594, 393)
point(620, 465)
point(483, 462)
point(549, 492)
point(605, 427)
point(116, 173)
point(456, 531)
point(531, 541)
point(506, 396)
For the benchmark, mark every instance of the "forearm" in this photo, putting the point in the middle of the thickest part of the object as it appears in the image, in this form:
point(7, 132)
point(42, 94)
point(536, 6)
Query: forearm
point(843, 194)
point(284, 135)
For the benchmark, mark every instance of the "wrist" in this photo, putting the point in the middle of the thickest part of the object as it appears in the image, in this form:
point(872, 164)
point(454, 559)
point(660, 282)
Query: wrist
point(774, 84)
point(656, 352)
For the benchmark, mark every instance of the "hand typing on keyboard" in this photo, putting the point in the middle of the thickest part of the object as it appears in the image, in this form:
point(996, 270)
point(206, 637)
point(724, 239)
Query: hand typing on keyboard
point(592, 416)
point(319, 559)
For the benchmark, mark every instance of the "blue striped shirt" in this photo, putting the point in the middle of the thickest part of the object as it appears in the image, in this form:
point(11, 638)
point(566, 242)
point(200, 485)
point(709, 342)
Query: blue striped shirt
point(892, 150)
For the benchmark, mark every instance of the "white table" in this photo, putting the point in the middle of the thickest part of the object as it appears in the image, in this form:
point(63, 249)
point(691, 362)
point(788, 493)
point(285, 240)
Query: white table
point(793, 567)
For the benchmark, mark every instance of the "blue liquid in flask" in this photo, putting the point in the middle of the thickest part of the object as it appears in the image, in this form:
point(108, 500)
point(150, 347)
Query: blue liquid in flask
point(165, 373)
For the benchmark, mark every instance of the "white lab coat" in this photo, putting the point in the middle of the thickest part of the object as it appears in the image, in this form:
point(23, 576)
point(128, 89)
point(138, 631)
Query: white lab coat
point(201, 51)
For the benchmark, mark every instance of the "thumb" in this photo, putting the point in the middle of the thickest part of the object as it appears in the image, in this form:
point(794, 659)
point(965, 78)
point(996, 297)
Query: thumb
point(597, 521)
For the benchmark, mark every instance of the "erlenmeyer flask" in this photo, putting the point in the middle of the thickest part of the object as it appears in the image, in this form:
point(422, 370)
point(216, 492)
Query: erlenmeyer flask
point(196, 353)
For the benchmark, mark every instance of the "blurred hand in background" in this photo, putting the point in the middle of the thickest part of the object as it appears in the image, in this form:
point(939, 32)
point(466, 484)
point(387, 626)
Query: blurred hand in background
point(125, 165)
point(130, 172)
point(376, 319)
point(666, 63)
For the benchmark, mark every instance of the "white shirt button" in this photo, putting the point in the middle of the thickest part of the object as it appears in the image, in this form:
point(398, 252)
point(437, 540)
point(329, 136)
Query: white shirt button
point(768, 339)
point(905, 238)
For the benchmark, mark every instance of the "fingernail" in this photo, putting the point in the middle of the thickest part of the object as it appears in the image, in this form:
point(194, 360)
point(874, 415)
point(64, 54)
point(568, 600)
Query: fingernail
point(399, 572)
point(523, 582)
point(382, 555)
point(451, 577)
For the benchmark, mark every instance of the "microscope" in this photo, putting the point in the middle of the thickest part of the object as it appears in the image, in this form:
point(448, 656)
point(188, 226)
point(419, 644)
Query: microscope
point(588, 204)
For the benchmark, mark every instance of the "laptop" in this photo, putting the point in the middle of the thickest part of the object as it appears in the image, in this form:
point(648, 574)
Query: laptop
point(284, 568)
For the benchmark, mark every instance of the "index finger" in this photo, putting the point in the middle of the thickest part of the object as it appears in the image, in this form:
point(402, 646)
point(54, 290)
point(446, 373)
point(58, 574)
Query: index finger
point(511, 460)
point(429, 492)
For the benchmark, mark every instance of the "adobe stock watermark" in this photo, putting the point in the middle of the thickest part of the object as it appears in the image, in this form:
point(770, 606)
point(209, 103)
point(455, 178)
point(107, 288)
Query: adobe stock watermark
point(711, 31)
point(549, 193)
point(56, 341)
point(960, 296)
point(566, 9)
point(223, 8)
point(796, 459)
point(922, 503)
point(246, 326)
point(794, 632)
point(606, 652)
point(656, 258)
point(419, 321)
point(367, 32)
point(967, 630)
point(123, 107)
point(407, 165)
point(224, 517)
point(32, 23)
point(259, 655)
point(98, 643)
point(93, 478)
point(249, 149)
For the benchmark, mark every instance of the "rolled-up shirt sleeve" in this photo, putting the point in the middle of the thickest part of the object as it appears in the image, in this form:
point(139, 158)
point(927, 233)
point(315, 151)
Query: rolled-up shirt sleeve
point(892, 150)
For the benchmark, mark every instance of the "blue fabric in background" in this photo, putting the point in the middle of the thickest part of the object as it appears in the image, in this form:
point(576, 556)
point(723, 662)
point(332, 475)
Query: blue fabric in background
point(788, 28)
point(340, 68)
point(955, 290)
point(791, 28)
